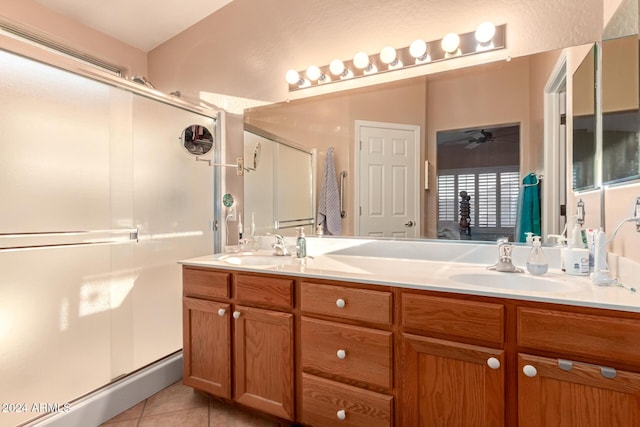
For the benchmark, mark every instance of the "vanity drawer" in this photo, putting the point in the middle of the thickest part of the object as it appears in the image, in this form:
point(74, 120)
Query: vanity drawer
point(328, 403)
point(347, 303)
point(459, 318)
point(351, 352)
point(264, 290)
point(205, 283)
point(602, 337)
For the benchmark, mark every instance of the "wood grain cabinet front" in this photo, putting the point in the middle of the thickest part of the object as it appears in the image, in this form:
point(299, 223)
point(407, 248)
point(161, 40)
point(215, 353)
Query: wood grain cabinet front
point(329, 403)
point(346, 302)
point(565, 393)
point(207, 346)
point(350, 352)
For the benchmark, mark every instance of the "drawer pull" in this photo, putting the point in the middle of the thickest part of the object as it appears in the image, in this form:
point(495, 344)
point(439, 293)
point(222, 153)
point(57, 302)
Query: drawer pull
point(222, 312)
point(530, 371)
point(565, 365)
point(236, 314)
point(608, 372)
point(341, 414)
point(340, 303)
point(493, 363)
point(341, 354)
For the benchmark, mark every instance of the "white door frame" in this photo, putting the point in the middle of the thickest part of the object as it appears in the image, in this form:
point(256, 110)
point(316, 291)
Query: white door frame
point(553, 163)
point(359, 124)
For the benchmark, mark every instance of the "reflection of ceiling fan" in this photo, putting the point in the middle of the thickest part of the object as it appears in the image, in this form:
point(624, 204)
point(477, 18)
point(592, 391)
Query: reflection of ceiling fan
point(474, 138)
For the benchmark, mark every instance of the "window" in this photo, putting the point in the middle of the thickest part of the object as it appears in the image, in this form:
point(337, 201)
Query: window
point(494, 198)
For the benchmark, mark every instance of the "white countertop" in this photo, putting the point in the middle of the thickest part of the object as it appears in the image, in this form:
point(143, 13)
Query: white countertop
point(405, 265)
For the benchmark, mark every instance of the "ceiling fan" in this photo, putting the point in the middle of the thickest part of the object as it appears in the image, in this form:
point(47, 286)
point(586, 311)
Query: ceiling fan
point(474, 138)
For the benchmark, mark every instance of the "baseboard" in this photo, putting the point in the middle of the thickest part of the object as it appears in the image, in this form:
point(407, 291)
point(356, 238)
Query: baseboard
point(107, 402)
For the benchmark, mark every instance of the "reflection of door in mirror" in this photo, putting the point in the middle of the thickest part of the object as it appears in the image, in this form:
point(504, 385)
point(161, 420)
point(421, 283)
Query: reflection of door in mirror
point(478, 182)
point(620, 110)
point(388, 172)
point(584, 123)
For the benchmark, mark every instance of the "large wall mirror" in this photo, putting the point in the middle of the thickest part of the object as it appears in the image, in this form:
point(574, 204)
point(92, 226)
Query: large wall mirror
point(484, 97)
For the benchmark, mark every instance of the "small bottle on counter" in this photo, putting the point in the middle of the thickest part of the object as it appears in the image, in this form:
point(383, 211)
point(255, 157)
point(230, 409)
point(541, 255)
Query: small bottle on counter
point(301, 244)
point(537, 262)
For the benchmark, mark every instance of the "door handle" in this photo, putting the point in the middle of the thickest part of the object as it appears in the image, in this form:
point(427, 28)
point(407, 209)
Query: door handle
point(410, 223)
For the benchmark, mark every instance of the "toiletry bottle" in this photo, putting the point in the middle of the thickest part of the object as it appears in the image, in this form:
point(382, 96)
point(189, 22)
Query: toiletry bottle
point(576, 256)
point(240, 241)
point(301, 244)
point(529, 239)
point(537, 262)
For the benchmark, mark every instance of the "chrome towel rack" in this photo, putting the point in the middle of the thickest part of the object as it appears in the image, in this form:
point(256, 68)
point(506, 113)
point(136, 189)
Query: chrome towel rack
point(343, 175)
point(33, 237)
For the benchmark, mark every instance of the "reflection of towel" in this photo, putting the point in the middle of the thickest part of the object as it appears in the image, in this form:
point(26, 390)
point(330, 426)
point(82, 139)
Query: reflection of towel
point(528, 208)
point(329, 201)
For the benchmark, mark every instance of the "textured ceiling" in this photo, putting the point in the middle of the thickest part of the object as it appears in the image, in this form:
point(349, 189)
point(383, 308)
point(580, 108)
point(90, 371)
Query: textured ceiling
point(144, 24)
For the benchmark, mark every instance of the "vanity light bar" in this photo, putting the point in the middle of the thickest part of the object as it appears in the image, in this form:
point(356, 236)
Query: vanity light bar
point(419, 53)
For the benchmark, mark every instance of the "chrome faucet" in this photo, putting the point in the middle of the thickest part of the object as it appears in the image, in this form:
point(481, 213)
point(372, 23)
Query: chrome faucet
point(504, 263)
point(278, 246)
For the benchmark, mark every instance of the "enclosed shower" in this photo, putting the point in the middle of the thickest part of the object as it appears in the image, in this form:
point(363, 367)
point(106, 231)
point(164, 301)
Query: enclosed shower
point(99, 202)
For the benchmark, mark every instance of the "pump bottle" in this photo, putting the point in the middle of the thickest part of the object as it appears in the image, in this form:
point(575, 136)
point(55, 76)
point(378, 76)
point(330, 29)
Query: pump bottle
point(301, 244)
point(537, 262)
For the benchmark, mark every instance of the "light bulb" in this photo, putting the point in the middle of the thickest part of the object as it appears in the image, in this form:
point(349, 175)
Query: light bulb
point(361, 60)
point(418, 48)
point(485, 32)
point(388, 55)
point(293, 77)
point(314, 73)
point(336, 67)
point(450, 43)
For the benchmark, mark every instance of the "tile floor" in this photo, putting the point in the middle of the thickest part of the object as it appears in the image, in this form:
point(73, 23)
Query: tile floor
point(179, 405)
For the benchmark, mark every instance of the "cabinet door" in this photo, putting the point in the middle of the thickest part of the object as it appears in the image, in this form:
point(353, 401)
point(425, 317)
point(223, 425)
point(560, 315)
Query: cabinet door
point(263, 358)
point(207, 346)
point(445, 383)
point(576, 396)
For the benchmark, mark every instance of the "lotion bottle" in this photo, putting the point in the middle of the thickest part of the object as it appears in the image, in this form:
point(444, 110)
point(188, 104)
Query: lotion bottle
point(301, 244)
point(576, 257)
point(537, 262)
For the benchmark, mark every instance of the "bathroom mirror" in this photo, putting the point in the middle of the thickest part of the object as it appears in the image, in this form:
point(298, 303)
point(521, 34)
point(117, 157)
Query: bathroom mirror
point(620, 110)
point(584, 123)
point(197, 140)
point(483, 95)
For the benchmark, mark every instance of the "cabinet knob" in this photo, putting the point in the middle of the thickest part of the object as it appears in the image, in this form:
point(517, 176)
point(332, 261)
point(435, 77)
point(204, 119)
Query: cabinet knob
point(341, 414)
point(493, 363)
point(529, 371)
point(341, 354)
point(221, 312)
point(340, 303)
point(236, 314)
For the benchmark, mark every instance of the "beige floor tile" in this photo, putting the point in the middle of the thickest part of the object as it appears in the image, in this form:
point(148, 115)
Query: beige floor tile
point(192, 417)
point(176, 397)
point(132, 413)
point(125, 423)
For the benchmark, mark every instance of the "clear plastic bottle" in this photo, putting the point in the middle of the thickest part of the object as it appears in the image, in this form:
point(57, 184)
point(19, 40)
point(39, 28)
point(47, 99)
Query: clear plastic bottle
point(301, 244)
point(537, 262)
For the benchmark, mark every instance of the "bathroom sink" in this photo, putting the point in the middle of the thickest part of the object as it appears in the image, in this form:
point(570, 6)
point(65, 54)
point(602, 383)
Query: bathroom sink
point(514, 282)
point(253, 259)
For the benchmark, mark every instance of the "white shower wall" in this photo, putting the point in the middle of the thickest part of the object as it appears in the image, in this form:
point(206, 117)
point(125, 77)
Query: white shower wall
point(76, 154)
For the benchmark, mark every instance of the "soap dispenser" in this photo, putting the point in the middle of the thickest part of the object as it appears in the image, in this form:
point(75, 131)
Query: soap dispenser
point(301, 244)
point(537, 262)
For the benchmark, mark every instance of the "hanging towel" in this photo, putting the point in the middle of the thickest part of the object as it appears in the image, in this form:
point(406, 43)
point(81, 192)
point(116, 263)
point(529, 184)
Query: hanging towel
point(329, 202)
point(528, 208)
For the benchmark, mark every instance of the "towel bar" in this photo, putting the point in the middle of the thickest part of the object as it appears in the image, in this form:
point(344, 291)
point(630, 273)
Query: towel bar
point(343, 175)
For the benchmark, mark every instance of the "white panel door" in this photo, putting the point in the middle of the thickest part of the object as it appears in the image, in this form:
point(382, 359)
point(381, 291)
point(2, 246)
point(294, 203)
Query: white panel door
point(388, 180)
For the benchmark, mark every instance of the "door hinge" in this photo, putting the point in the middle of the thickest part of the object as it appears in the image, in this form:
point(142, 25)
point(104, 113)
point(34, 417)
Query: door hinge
point(563, 119)
point(360, 210)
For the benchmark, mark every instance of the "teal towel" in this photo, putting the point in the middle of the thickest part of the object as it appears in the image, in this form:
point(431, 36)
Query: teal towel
point(529, 208)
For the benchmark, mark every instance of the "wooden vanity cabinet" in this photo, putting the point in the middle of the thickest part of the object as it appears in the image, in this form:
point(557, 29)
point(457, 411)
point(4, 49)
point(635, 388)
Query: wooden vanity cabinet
point(206, 331)
point(346, 355)
point(445, 379)
point(351, 354)
point(245, 319)
point(578, 383)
